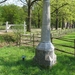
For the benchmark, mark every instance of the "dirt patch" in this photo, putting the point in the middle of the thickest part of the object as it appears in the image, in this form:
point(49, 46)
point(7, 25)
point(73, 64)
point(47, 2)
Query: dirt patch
point(1, 46)
point(2, 32)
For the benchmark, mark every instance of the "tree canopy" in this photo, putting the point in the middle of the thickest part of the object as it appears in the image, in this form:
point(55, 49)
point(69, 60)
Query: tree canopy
point(62, 11)
point(12, 14)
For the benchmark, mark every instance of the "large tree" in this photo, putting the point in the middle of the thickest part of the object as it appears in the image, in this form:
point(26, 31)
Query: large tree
point(29, 4)
point(37, 15)
point(56, 6)
point(13, 14)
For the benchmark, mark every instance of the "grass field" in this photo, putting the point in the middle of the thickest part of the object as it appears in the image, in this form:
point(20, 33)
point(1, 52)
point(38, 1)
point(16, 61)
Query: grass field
point(11, 61)
point(65, 43)
point(2, 27)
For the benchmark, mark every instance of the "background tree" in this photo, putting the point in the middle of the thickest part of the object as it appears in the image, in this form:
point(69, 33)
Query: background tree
point(1, 1)
point(62, 12)
point(13, 14)
point(37, 15)
point(1, 18)
point(29, 4)
point(56, 7)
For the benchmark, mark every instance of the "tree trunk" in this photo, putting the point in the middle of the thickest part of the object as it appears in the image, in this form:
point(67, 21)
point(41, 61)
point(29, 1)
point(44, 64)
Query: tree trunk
point(63, 23)
point(56, 19)
point(29, 17)
point(38, 20)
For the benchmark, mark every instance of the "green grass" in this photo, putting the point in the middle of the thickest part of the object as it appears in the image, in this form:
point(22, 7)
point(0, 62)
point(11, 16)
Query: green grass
point(11, 61)
point(67, 40)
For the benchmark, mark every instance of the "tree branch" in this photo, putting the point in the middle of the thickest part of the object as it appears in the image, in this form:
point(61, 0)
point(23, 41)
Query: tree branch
point(33, 2)
point(3, 1)
point(39, 5)
point(59, 7)
point(53, 6)
point(23, 2)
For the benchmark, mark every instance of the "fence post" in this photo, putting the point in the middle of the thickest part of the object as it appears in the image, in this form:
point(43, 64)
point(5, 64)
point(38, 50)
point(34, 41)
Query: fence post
point(30, 36)
point(74, 47)
point(7, 26)
point(33, 40)
point(24, 27)
point(20, 39)
point(51, 38)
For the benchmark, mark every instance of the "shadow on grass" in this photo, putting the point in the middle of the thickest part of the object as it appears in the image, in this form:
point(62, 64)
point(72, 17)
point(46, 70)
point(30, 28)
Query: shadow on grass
point(65, 65)
point(63, 45)
point(13, 65)
point(32, 49)
point(66, 62)
point(26, 63)
point(26, 67)
point(66, 39)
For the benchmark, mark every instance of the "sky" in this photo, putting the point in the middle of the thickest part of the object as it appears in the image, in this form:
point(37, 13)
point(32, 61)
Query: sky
point(16, 2)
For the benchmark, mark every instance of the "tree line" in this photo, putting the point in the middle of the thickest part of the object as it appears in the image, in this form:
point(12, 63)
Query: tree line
point(62, 13)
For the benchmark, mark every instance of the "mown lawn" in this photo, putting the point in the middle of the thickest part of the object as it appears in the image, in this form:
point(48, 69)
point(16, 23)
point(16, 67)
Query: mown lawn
point(65, 43)
point(11, 62)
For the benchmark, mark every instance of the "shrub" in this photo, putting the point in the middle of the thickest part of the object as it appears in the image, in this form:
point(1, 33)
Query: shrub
point(8, 38)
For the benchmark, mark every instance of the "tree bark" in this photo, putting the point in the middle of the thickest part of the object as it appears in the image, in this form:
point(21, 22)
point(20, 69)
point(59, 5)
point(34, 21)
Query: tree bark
point(56, 19)
point(63, 23)
point(29, 16)
point(29, 4)
point(38, 20)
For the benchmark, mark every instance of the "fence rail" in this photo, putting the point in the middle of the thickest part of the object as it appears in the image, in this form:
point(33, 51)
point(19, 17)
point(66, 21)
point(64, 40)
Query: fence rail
point(64, 51)
point(30, 39)
point(34, 39)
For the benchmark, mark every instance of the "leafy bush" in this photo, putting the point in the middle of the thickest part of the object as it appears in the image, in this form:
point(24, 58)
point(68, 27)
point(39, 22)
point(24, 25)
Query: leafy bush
point(1, 38)
point(2, 27)
point(8, 38)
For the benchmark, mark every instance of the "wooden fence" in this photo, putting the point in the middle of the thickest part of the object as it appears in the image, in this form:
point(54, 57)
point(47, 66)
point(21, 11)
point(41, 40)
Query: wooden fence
point(34, 39)
point(61, 33)
point(30, 39)
point(72, 47)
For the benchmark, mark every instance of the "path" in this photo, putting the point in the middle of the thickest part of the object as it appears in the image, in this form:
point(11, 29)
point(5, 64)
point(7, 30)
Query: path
point(2, 31)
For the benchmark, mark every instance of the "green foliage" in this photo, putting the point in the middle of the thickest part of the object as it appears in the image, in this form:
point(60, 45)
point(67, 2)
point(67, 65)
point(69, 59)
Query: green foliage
point(8, 38)
point(13, 14)
point(16, 14)
point(1, 38)
point(2, 27)
point(1, 18)
point(65, 10)
point(18, 30)
point(37, 15)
